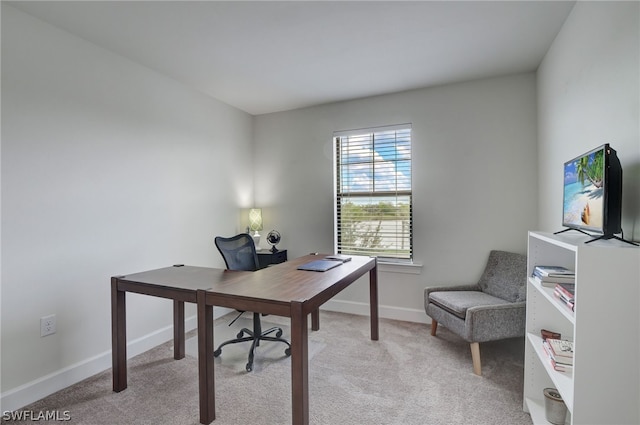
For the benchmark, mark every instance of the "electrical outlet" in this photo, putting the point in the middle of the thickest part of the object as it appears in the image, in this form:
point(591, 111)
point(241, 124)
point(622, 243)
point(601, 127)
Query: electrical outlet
point(48, 325)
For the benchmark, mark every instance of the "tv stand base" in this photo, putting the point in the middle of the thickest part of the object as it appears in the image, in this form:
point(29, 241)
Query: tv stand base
point(571, 228)
point(605, 237)
point(612, 237)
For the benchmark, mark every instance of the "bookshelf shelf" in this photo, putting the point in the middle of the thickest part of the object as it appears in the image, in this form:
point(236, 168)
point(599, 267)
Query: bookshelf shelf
point(561, 380)
point(548, 293)
point(598, 390)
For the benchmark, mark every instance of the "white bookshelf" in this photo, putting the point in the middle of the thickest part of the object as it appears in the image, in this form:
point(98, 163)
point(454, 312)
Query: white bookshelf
point(604, 387)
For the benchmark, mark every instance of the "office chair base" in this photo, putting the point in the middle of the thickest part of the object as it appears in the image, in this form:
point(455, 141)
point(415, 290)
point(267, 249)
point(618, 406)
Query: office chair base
point(256, 336)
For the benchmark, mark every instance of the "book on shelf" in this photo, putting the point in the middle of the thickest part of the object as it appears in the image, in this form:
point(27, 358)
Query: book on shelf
point(564, 300)
point(561, 349)
point(560, 367)
point(549, 275)
point(567, 290)
point(553, 271)
point(559, 364)
point(550, 282)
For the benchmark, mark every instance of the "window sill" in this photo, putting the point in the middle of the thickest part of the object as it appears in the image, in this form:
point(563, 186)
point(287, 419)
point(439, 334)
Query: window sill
point(392, 267)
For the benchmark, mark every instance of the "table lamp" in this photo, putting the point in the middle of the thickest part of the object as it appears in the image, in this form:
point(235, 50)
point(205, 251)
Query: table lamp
point(255, 224)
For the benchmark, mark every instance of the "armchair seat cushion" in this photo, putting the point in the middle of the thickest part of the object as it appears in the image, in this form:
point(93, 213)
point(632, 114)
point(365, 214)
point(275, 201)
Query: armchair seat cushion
point(457, 302)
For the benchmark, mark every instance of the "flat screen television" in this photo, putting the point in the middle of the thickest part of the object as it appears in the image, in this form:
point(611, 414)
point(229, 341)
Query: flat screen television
point(592, 196)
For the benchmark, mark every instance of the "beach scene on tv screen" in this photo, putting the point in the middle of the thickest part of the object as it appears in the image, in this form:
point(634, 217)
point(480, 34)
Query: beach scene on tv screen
point(583, 191)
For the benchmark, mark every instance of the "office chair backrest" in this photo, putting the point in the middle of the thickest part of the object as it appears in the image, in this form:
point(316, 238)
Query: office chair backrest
point(239, 252)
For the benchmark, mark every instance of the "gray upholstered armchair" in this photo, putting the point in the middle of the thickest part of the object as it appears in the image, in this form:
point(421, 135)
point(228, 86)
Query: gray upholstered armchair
point(490, 310)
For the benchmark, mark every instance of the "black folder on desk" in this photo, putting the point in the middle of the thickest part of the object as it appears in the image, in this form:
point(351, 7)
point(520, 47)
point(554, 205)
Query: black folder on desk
point(320, 265)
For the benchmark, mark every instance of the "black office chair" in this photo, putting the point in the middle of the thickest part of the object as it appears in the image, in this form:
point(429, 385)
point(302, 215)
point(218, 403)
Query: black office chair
point(239, 253)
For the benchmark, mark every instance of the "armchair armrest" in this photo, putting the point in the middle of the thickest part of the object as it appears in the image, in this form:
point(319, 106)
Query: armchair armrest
point(493, 322)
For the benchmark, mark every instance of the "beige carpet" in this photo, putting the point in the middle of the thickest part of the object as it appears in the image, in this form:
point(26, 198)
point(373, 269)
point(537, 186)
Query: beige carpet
point(407, 377)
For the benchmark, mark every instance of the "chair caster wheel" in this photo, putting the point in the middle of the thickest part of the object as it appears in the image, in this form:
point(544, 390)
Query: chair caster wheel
point(217, 352)
point(287, 352)
point(279, 333)
point(240, 334)
point(249, 367)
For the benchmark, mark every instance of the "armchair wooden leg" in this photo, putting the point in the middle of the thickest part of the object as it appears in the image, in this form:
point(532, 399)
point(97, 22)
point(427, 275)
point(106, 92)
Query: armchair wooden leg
point(434, 327)
point(475, 356)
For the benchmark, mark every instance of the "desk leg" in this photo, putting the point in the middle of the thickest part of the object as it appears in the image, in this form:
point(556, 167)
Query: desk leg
point(299, 365)
point(206, 377)
point(315, 319)
point(118, 337)
point(178, 330)
point(373, 301)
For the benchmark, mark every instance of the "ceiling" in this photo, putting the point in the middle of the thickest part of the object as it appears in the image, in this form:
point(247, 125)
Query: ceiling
point(268, 56)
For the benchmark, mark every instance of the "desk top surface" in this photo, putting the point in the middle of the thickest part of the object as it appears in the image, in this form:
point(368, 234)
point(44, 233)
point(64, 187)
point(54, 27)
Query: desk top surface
point(280, 283)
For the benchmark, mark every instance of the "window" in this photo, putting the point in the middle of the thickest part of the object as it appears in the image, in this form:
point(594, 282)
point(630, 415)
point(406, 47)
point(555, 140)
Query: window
point(373, 192)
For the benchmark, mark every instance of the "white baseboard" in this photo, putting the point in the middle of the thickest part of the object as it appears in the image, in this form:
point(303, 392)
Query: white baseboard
point(30, 392)
point(384, 311)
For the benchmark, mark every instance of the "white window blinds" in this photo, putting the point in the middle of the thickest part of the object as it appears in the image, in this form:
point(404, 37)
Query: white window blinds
point(373, 192)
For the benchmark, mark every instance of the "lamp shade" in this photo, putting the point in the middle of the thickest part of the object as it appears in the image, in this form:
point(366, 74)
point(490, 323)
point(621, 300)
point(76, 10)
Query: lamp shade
point(255, 219)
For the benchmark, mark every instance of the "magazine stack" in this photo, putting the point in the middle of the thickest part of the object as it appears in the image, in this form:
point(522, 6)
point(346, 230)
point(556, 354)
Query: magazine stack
point(560, 353)
point(550, 275)
point(565, 292)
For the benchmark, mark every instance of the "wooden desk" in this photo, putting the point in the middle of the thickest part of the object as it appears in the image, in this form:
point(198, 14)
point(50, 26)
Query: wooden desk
point(280, 290)
point(176, 283)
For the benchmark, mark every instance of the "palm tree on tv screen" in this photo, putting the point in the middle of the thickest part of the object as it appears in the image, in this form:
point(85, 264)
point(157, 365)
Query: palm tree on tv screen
point(591, 170)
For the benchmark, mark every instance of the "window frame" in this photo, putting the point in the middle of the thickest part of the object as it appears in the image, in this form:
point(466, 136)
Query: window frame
point(401, 256)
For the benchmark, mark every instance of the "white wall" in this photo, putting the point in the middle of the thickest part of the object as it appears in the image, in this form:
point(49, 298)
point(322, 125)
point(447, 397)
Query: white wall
point(474, 179)
point(107, 168)
point(589, 94)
